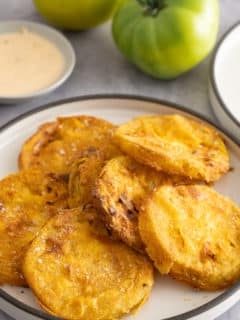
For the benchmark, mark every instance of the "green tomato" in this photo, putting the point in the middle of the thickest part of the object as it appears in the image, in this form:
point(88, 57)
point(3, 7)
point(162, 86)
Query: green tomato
point(166, 38)
point(76, 14)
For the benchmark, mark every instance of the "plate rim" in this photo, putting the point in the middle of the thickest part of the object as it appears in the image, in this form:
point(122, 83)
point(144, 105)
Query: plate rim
point(184, 316)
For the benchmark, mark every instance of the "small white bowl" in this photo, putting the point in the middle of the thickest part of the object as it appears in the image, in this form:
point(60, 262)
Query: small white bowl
point(224, 84)
point(57, 39)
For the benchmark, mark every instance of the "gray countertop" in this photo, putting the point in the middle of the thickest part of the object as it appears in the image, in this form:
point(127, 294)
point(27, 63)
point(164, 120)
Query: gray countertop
point(101, 69)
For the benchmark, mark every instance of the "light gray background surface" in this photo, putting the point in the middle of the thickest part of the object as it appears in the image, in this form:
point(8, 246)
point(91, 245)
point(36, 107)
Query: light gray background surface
point(101, 69)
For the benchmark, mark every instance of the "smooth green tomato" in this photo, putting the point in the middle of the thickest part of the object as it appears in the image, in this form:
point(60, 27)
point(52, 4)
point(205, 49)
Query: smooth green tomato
point(76, 14)
point(166, 38)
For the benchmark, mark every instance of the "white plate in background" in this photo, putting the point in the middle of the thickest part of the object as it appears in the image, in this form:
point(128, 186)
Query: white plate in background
point(224, 81)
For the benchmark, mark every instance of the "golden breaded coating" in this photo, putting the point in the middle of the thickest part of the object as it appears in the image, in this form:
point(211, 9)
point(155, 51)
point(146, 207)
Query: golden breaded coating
point(56, 145)
point(123, 186)
point(193, 233)
point(77, 272)
point(175, 144)
point(83, 175)
point(27, 200)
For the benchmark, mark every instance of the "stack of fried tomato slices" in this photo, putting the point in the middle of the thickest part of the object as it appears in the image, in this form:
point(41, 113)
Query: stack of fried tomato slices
point(95, 206)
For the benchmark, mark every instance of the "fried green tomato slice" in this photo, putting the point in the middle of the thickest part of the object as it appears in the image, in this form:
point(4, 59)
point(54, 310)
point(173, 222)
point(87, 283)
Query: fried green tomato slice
point(192, 233)
point(27, 200)
point(77, 272)
point(175, 144)
point(56, 145)
point(121, 189)
point(83, 175)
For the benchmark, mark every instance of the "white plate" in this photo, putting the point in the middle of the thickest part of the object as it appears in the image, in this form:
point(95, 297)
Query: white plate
point(57, 39)
point(170, 299)
point(224, 84)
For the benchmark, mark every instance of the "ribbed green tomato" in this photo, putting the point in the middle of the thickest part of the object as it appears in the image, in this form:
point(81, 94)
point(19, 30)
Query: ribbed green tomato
point(76, 14)
point(166, 38)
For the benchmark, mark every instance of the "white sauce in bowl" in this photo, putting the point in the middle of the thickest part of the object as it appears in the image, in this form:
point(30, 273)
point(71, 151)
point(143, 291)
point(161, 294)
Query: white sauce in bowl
point(28, 63)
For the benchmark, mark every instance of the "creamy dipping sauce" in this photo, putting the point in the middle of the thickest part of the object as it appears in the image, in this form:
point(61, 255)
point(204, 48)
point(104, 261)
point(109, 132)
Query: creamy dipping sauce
point(28, 63)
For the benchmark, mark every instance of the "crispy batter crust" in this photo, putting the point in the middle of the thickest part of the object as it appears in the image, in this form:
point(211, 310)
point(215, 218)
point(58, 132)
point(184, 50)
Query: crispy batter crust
point(175, 144)
point(27, 200)
point(193, 234)
point(123, 186)
point(83, 175)
point(56, 145)
point(77, 272)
